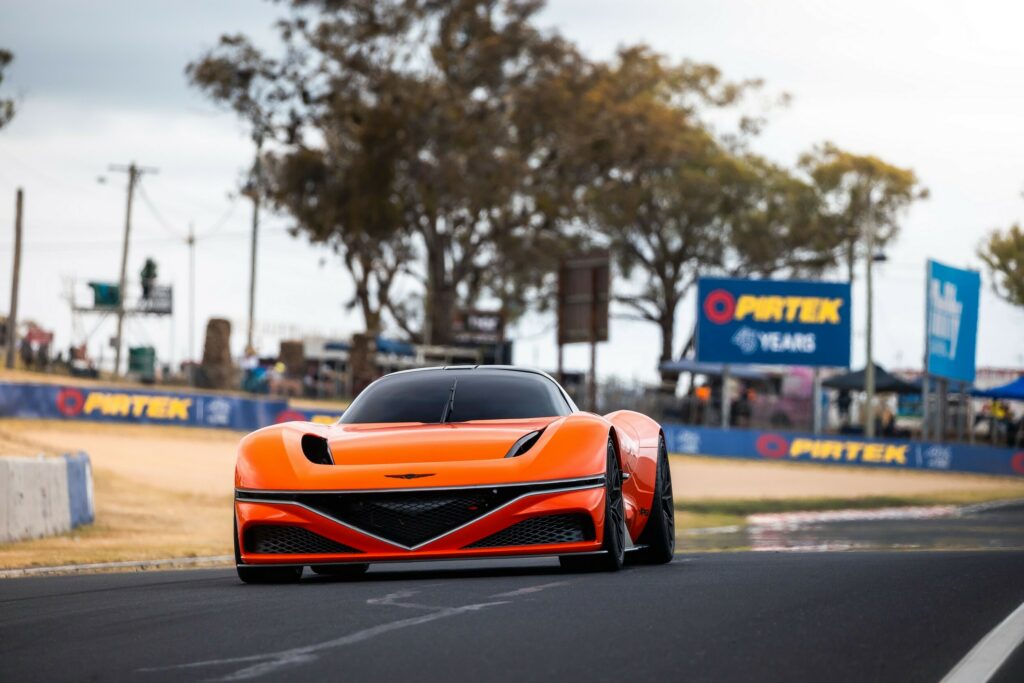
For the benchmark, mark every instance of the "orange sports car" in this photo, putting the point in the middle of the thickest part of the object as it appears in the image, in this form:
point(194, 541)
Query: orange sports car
point(453, 463)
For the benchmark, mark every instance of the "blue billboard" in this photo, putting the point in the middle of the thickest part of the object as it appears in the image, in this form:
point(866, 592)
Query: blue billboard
point(951, 319)
point(773, 322)
point(843, 450)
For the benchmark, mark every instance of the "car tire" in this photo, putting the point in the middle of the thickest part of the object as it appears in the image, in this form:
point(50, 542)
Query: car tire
point(614, 542)
point(341, 571)
point(659, 536)
point(263, 574)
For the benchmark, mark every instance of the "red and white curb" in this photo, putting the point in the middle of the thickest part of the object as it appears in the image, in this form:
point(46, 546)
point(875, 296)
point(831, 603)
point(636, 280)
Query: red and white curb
point(793, 520)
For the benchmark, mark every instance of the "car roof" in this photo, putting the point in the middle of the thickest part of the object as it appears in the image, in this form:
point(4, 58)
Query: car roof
point(442, 368)
point(499, 368)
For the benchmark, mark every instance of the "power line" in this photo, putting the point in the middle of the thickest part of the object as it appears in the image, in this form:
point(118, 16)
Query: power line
point(157, 215)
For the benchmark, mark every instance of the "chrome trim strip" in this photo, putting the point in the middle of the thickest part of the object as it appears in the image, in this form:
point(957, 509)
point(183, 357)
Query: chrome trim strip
point(435, 538)
point(540, 482)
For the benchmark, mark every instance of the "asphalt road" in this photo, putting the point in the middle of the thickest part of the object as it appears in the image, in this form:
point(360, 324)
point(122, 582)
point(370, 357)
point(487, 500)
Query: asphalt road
point(715, 617)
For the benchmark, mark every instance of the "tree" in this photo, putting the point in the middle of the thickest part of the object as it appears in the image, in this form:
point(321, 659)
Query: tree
point(667, 191)
point(861, 193)
point(1003, 253)
point(424, 96)
point(778, 227)
point(6, 105)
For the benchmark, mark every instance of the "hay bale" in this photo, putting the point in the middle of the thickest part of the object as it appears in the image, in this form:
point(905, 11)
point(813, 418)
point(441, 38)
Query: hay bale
point(293, 355)
point(217, 371)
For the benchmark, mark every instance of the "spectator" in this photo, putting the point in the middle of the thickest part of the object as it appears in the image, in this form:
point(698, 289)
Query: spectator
point(843, 402)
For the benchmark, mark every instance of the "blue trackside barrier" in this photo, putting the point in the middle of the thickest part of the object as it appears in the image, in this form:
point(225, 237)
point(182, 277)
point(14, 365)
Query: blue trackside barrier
point(140, 406)
point(80, 503)
point(839, 449)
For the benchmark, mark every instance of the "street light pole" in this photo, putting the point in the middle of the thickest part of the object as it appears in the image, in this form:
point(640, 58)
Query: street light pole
point(256, 187)
point(869, 370)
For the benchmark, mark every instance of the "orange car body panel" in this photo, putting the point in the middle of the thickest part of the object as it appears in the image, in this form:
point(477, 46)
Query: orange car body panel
point(375, 457)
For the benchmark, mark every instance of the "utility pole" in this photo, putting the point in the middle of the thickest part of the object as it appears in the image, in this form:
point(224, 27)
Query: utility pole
point(191, 298)
point(869, 370)
point(255, 189)
point(12, 319)
point(134, 173)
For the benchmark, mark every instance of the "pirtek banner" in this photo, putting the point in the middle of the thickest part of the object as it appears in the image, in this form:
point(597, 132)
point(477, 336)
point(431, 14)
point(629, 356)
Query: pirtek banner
point(838, 449)
point(116, 404)
point(773, 322)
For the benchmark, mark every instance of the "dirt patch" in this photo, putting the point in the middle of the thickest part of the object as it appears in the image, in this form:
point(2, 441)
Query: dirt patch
point(703, 478)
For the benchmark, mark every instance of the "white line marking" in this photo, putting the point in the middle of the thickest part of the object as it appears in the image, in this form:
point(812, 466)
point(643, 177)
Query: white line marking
point(985, 658)
point(271, 662)
point(530, 589)
point(130, 564)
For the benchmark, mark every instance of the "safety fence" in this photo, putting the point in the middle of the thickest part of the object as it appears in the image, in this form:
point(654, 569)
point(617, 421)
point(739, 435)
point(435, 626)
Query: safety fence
point(837, 449)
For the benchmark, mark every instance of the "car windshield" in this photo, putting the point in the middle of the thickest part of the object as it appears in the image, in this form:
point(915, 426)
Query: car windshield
point(475, 395)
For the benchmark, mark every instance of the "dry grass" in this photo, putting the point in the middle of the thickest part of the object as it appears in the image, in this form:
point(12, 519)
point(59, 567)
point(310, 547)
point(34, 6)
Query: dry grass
point(133, 522)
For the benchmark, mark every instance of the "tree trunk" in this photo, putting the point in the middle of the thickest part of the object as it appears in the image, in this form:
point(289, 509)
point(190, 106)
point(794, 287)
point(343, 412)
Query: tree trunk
point(669, 378)
point(440, 299)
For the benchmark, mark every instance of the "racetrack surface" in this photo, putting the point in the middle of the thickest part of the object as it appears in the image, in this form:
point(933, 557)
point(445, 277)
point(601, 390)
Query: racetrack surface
point(717, 617)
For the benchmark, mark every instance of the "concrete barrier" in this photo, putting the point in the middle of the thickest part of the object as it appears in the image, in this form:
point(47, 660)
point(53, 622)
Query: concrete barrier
point(44, 496)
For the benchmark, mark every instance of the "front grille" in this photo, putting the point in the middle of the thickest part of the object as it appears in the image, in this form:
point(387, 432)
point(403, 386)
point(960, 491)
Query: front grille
point(409, 519)
point(415, 517)
point(290, 540)
point(541, 531)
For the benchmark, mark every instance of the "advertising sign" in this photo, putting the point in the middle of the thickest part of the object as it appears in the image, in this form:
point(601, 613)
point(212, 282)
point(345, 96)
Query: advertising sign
point(583, 284)
point(843, 450)
point(479, 327)
point(773, 322)
point(951, 318)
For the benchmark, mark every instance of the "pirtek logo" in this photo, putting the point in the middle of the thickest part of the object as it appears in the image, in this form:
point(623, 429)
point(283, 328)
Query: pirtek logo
point(721, 307)
point(778, 446)
point(72, 402)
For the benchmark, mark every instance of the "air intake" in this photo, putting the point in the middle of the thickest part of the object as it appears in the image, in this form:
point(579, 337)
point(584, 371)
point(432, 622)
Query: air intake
point(317, 450)
point(268, 539)
point(546, 530)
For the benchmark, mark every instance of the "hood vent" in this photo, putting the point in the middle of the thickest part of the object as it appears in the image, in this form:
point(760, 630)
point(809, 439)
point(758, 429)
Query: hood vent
point(524, 444)
point(317, 450)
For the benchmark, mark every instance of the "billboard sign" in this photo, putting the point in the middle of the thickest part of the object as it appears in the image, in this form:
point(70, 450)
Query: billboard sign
point(479, 327)
point(773, 322)
point(583, 287)
point(951, 319)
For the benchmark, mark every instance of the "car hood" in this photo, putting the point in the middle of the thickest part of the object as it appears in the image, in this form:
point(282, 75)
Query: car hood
point(383, 444)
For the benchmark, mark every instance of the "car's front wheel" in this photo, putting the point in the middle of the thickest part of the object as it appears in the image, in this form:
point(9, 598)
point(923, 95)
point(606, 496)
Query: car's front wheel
point(614, 541)
point(659, 535)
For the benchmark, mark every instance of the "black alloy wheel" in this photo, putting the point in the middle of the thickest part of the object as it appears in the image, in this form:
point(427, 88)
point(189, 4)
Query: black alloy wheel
point(614, 545)
point(659, 536)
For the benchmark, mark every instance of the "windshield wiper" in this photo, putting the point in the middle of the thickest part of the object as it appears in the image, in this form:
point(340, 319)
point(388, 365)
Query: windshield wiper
point(449, 405)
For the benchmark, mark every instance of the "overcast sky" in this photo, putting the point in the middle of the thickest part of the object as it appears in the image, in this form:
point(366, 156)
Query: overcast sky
point(938, 87)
